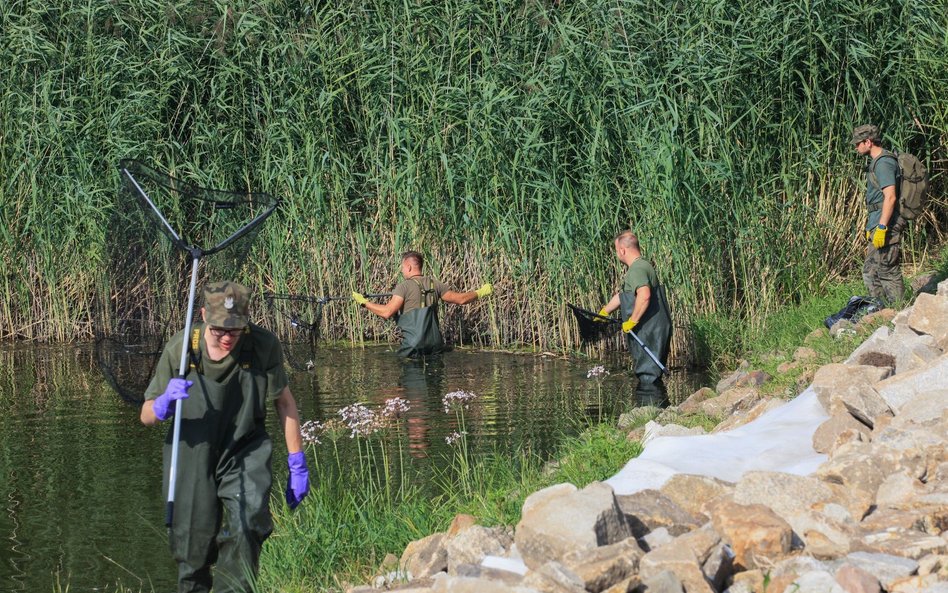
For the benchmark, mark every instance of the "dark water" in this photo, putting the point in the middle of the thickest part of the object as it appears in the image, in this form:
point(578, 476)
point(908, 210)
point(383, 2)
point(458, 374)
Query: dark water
point(81, 484)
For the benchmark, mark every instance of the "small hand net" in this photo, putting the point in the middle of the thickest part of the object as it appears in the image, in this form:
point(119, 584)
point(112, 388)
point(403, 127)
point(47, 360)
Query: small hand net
point(159, 228)
point(297, 319)
point(594, 327)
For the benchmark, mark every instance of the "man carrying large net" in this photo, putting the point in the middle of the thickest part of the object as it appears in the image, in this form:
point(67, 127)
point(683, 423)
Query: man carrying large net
point(222, 512)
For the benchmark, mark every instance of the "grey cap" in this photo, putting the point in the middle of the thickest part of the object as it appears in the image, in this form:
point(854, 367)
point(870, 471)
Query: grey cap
point(865, 132)
point(226, 305)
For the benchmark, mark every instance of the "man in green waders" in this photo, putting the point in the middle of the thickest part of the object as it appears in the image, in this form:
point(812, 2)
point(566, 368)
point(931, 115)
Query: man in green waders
point(222, 491)
point(644, 310)
point(415, 300)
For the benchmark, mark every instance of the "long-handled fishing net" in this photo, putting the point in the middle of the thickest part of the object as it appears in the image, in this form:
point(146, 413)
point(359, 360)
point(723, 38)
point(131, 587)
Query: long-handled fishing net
point(594, 327)
point(157, 219)
point(297, 319)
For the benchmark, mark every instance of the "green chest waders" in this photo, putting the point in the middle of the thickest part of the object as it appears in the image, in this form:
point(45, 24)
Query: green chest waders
point(222, 512)
point(421, 333)
point(654, 329)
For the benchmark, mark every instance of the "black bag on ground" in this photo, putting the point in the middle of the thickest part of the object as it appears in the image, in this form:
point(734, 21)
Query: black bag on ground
point(857, 307)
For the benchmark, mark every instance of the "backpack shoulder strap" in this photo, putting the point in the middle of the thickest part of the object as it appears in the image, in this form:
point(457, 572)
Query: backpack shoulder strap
point(873, 179)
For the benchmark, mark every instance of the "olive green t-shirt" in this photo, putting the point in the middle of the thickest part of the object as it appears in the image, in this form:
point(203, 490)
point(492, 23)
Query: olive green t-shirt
point(410, 290)
point(265, 355)
point(886, 170)
point(640, 273)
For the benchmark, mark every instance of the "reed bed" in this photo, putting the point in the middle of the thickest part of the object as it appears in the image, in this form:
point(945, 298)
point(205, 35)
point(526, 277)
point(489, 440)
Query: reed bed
point(509, 141)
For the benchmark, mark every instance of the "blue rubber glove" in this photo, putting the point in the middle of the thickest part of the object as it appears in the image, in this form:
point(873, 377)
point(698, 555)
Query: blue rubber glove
point(297, 485)
point(165, 403)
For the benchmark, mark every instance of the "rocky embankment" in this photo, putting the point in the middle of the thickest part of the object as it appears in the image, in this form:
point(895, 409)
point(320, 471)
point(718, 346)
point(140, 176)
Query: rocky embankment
point(872, 517)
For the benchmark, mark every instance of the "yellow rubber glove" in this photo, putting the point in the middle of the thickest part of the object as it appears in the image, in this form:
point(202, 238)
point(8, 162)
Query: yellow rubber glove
point(359, 299)
point(484, 290)
point(868, 235)
point(602, 313)
point(878, 236)
point(628, 324)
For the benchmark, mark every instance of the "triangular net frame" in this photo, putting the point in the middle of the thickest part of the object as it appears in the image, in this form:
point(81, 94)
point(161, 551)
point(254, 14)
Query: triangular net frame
point(158, 230)
point(594, 327)
point(296, 319)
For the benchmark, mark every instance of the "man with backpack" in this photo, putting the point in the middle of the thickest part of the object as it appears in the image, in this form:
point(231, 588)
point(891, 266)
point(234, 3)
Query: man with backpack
point(882, 272)
point(415, 301)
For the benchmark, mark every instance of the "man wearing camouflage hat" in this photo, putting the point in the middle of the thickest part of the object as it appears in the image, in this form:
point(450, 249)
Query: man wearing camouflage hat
point(223, 478)
point(882, 272)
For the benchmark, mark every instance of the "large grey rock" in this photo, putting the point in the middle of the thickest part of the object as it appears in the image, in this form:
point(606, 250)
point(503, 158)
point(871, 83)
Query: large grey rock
point(654, 430)
point(756, 411)
point(785, 494)
point(756, 534)
point(902, 388)
point(601, 568)
point(856, 580)
point(691, 492)
point(904, 542)
point(885, 567)
point(851, 388)
point(649, 509)
point(733, 400)
point(909, 349)
point(713, 555)
point(815, 581)
point(930, 316)
point(679, 560)
point(553, 577)
point(471, 545)
point(558, 520)
point(729, 381)
point(663, 582)
point(838, 429)
point(425, 557)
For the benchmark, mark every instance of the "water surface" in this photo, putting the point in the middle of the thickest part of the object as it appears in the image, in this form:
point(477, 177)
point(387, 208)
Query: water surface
point(82, 489)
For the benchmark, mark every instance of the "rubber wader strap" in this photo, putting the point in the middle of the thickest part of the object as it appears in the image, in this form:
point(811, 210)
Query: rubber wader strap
point(425, 292)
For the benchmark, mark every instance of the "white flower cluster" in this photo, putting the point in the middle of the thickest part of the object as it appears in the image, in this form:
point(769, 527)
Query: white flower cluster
point(395, 407)
point(311, 431)
point(457, 400)
point(360, 420)
point(454, 437)
point(596, 372)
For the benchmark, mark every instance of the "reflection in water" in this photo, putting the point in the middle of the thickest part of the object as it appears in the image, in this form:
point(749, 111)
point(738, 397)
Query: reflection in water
point(421, 384)
point(82, 500)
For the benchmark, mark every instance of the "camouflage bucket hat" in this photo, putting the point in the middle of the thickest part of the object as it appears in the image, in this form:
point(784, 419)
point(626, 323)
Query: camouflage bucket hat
point(226, 304)
point(865, 132)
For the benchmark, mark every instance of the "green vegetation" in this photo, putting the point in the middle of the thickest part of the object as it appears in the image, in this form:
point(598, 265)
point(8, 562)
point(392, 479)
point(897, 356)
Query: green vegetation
point(508, 140)
point(347, 526)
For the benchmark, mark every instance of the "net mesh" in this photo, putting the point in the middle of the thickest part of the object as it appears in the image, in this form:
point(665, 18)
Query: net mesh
point(159, 225)
point(296, 320)
point(593, 327)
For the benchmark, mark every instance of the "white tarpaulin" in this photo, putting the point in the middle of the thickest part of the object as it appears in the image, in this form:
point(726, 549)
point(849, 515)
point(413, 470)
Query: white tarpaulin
point(780, 440)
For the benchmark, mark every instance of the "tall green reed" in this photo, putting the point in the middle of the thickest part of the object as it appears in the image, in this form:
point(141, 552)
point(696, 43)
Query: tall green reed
point(508, 141)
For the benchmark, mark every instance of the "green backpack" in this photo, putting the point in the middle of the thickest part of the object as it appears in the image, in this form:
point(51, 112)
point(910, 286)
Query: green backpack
point(912, 189)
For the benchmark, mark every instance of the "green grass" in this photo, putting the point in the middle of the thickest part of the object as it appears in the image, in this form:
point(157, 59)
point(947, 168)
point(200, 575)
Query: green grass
point(345, 527)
